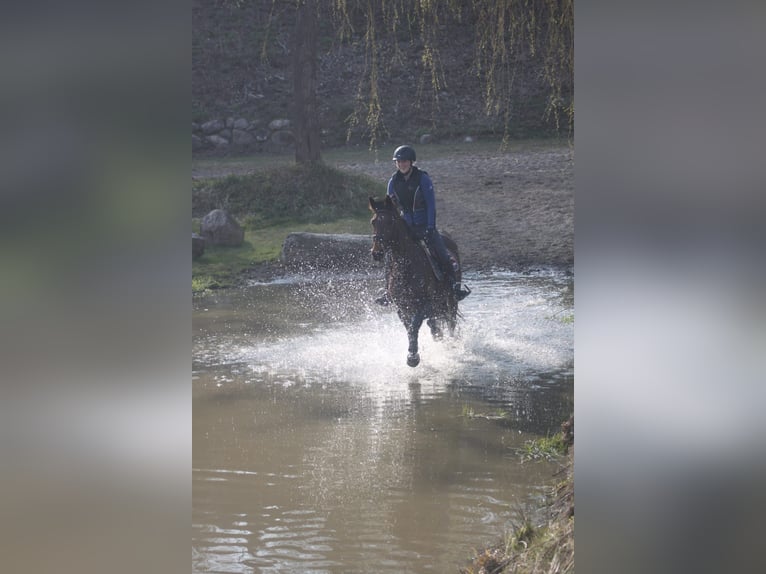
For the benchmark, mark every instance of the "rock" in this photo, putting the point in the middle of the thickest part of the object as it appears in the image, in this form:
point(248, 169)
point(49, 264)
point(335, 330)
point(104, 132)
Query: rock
point(241, 124)
point(282, 137)
point(327, 252)
point(261, 135)
point(197, 143)
point(198, 246)
point(217, 141)
point(279, 124)
point(241, 138)
point(426, 139)
point(212, 127)
point(220, 228)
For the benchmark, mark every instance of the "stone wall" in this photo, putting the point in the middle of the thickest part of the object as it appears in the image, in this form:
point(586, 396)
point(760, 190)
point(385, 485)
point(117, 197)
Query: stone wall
point(242, 134)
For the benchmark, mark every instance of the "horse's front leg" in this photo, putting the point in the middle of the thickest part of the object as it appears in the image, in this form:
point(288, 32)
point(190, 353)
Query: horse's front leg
point(413, 328)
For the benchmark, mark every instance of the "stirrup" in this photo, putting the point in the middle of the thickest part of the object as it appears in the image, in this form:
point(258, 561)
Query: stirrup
point(461, 293)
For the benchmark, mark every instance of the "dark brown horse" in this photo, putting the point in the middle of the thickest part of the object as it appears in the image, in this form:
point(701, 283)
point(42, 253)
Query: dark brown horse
point(411, 282)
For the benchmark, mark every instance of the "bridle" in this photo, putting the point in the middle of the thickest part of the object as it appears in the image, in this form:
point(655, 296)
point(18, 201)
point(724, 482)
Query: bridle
point(379, 242)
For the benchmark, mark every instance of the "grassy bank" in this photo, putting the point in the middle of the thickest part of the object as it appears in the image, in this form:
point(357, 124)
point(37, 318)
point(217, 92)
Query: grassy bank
point(540, 549)
point(270, 203)
point(544, 545)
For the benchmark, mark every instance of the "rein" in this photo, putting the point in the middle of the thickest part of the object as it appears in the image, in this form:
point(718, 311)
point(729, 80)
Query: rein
point(395, 236)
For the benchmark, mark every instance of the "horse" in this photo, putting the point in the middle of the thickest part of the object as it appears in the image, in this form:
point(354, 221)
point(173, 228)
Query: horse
point(411, 277)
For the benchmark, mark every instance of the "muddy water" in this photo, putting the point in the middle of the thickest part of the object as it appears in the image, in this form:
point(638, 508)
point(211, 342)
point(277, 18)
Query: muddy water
point(316, 449)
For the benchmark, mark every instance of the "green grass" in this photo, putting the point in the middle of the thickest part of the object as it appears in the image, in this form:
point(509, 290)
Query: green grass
point(547, 448)
point(566, 319)
point(270, 204)
point(220, 267)
point(468, 412)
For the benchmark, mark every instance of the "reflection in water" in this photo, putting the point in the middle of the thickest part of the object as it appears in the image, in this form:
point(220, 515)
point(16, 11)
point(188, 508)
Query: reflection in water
point(316, 449)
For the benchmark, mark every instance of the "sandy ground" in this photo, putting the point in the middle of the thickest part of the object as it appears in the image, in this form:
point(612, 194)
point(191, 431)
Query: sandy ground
point(511, 210)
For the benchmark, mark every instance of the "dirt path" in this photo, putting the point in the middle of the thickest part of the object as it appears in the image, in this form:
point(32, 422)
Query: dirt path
point(511, 210)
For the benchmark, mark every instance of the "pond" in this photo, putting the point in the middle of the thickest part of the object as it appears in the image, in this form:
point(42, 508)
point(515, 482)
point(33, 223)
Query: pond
point(317, 449)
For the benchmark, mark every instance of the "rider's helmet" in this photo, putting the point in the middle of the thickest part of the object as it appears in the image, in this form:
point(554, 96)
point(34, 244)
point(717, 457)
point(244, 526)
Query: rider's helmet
point(404, 152)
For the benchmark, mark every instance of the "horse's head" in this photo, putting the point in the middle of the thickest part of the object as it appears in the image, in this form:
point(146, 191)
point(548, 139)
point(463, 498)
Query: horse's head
point(383, 218)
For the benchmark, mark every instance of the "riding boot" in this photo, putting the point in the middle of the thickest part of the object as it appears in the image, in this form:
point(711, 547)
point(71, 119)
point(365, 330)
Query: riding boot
point(460, 292)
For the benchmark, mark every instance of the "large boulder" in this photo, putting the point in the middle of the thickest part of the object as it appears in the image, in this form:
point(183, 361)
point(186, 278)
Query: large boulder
point(220, 228)
point(327, 252)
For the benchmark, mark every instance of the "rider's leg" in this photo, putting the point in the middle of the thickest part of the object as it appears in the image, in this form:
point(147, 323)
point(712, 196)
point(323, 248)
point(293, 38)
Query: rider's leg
point(437, 244)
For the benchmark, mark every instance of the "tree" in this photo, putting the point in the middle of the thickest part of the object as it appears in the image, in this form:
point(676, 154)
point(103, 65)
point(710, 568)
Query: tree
point(507, 33)
point(305, 64)
point(509, 36)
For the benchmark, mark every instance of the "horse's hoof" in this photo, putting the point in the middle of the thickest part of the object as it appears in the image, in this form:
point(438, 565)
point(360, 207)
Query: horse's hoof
point(413, 359)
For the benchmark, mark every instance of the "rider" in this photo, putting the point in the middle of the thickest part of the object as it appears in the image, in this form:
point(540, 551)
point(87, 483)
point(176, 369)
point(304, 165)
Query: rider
point(412, 191)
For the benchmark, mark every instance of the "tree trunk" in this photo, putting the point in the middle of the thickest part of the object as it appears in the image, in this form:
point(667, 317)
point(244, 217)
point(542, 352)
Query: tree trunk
point(305, 64)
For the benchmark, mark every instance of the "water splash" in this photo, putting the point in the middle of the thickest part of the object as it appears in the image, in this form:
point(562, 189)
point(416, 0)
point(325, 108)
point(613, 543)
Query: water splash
point(330, 331)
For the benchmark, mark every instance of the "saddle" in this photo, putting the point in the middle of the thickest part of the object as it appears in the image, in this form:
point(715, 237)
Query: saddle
point(460, 292)
point(433, 260)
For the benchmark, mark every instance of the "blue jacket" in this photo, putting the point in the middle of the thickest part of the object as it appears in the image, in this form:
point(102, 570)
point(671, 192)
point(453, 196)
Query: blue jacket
point(415, 197)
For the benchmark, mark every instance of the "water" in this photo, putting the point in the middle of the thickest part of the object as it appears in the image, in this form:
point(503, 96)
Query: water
point(317, 449)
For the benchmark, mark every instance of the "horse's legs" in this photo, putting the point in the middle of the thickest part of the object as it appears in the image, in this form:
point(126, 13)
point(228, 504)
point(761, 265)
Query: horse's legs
point(452, 322)
point(436, 331)
point(413, 328)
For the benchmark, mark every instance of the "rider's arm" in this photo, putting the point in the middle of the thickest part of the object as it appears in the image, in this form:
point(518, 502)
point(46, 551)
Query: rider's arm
point(390, 190)
point(427, 189)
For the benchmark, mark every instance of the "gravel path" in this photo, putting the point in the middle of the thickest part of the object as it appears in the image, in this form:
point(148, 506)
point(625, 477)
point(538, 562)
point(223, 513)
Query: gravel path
point(512, 210)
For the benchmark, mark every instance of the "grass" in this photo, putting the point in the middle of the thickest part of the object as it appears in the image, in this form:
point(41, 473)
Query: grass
point(528, 548)
point(309, 193)
point(221, 267)
point(271, 203)
point(547, 448)
point(468, 412)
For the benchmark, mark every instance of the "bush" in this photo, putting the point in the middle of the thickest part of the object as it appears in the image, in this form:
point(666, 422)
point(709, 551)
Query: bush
point(303, 192)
